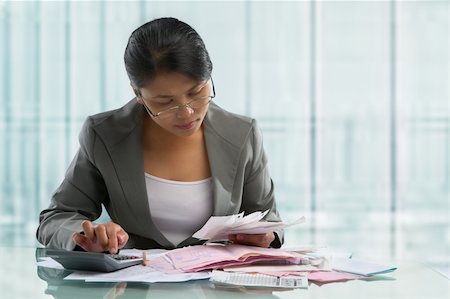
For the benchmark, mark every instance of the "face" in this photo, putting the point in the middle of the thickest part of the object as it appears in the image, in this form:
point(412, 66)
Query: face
point(166, 92)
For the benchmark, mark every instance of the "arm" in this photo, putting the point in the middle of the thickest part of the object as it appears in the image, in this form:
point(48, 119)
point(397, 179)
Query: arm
point(78, 198)
point(258, 193)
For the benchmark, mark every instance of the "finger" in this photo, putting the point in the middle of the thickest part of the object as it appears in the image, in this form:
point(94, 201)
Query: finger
point(261, 240)
point(232, 237)
point(82, 241)
point(243, 239)
point(122, 238)
point(240, 239)
point(112, 240)
point(89, 231)
point(101, 235)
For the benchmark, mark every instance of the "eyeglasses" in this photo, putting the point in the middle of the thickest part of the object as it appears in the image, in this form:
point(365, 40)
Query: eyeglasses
point(195, 102)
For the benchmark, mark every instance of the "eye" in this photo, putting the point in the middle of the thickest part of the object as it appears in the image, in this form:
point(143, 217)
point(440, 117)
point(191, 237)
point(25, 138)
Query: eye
point(163, 102)
point(193, 95)
point(196, 93)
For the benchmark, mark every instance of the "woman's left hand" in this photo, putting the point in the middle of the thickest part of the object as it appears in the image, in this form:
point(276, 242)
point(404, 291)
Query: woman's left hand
point(260, 240)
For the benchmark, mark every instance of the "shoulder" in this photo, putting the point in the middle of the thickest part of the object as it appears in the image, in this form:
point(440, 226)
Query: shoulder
point(234, 128)
point(111, 126)
point(124, 114)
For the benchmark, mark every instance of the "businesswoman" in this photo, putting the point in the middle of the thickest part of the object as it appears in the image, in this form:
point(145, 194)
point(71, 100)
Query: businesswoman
point(166, 161)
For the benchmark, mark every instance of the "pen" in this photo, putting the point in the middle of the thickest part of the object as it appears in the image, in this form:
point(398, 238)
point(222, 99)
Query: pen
point(144, 258)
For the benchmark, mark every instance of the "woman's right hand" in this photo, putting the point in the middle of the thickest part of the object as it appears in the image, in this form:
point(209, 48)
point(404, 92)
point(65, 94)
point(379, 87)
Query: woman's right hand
point(107, 236)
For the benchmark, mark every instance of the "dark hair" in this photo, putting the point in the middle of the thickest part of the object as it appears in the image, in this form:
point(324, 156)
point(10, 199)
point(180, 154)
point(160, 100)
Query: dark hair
point(166, 45)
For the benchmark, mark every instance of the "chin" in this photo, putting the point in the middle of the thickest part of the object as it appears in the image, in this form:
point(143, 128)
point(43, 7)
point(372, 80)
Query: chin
point(185, 133)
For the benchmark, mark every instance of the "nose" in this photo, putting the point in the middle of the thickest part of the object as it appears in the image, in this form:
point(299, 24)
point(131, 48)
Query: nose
point(184, 111)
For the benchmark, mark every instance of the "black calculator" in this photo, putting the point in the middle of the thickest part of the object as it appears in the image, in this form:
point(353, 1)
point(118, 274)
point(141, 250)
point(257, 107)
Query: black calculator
point(90, 261)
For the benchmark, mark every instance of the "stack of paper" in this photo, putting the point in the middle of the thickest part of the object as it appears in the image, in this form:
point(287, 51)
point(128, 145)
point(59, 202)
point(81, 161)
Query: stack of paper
point(201, 257)
point(318, 266)
point(217, 228)
point(195, 262)
point(240, 264)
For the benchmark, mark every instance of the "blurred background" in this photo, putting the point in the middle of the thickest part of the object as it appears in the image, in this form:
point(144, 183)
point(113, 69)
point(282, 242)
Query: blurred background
point(352, 98)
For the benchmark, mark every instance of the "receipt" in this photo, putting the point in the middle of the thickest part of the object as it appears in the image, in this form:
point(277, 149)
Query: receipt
point(217, 228)
point(259, 280)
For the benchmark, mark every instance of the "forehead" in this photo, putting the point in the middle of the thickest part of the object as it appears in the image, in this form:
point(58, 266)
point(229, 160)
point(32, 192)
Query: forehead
point(169, 84)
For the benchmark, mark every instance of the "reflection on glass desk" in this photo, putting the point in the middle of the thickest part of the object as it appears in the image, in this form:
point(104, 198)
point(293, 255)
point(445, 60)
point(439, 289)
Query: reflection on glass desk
point(22, 279)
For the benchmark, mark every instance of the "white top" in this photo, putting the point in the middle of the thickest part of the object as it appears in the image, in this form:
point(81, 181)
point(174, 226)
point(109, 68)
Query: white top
point(179, 209)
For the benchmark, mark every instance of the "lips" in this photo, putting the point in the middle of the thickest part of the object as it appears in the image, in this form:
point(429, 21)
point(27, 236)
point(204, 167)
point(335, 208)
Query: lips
point(186, 126)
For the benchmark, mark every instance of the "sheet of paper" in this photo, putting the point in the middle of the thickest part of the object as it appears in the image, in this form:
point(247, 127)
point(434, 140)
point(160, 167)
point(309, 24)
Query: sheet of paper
point(273, 268)
point(48, 262)
point(137, 273)
point(287, 273)
point(138, 252)
point(332, 276)
point(201, 257)
point(318, 276)
point(360, 267)
point(217, 228)
point(442, 269)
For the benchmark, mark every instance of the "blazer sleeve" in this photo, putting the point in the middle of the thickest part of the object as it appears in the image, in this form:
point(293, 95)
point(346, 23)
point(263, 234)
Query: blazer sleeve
point(78, 198)
point(258, 191)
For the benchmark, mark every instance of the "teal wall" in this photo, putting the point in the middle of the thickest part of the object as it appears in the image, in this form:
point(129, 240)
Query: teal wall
point(352, 97)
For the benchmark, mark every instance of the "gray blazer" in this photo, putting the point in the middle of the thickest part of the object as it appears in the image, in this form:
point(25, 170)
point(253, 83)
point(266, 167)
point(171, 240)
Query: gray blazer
point(108, 169)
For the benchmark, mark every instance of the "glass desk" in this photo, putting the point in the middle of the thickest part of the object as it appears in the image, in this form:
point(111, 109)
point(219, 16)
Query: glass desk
point(22, 279)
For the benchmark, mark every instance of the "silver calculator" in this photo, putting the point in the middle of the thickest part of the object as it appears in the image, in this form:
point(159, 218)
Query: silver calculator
point(90, 261)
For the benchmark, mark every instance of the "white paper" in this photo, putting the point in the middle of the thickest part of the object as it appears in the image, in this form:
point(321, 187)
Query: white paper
point(137, 273)
point(360, 267)
point(138, 252)
point(443, 269)
point(217, 228)
point(48, 262)
point(274, 268)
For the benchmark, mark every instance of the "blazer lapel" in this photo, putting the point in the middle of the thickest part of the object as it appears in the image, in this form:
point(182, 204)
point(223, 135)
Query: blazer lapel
point(223, 160)
point(127, 155)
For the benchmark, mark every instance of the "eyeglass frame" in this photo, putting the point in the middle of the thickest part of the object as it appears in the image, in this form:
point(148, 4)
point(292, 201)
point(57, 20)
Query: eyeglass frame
point(178, 107)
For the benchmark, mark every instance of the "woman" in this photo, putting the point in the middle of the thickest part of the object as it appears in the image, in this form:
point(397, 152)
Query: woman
point(166, 161)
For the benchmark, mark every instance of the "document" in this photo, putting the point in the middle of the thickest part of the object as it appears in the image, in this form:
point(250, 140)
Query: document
point(139, 273)
point(202, 257)
point(48, 262)
point(275, 268)
point(360, 267)
point(284, 268)
point(217, 228)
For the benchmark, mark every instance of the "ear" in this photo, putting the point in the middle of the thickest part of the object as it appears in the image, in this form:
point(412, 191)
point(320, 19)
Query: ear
point(137, 93)
point(139, 100)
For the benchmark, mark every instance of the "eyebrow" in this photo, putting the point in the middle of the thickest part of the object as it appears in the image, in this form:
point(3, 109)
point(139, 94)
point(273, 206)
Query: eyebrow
point(171, 96)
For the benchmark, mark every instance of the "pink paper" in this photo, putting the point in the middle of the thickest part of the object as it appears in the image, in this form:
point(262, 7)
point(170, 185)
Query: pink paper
point(162, 264)
point(248, 261)
point(331, 276)
point(279, 274)
point(199, 257)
